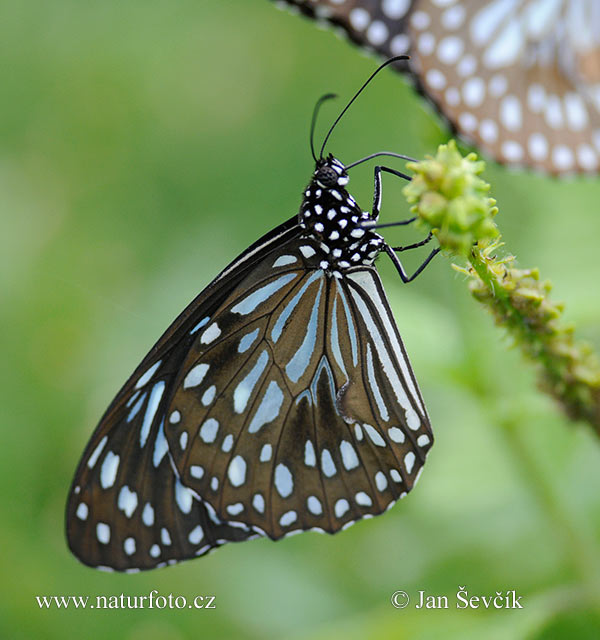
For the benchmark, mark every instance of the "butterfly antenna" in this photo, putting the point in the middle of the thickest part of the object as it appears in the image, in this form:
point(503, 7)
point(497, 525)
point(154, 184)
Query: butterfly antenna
point(381, 66)
point(389, 154)
point(313, 122)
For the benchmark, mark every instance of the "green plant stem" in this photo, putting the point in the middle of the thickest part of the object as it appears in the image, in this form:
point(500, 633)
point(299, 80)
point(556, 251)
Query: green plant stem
point(451, 200)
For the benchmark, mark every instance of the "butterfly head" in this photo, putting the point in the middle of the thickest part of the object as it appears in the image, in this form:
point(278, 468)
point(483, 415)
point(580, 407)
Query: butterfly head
point(330, 173)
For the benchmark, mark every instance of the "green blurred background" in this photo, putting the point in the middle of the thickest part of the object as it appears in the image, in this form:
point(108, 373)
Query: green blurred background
point(142, 146)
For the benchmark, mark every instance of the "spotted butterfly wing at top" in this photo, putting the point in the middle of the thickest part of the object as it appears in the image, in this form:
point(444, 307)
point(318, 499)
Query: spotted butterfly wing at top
point(518, 78)
point(280, 400)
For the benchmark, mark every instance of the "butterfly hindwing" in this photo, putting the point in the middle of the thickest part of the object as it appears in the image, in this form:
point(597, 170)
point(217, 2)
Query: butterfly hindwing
point(315, 420)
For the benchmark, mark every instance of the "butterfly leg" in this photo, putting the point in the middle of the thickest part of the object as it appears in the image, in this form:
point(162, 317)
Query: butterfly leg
point(377, 192)
point(415, 245)
point(405, 278)
point(377, 205)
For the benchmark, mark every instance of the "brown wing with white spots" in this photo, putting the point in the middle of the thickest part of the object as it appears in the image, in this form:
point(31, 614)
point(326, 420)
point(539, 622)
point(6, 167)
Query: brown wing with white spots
point(518, 78)
point(379, 25)
point(137, 515)
point(322, 423)
point(127, 508)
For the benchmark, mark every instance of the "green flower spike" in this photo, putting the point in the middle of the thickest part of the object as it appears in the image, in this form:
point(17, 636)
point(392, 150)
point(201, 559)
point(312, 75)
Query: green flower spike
point(451, 200)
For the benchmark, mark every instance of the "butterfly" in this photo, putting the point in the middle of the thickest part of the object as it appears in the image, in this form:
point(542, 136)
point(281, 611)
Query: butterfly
point(280, 400)
point(520, 79)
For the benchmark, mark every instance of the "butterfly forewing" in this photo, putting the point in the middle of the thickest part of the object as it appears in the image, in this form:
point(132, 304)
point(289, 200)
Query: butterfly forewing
point(127, 508)
point(322, 422)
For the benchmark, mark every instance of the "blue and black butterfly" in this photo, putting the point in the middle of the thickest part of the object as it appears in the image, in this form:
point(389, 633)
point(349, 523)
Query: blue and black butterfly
point(281, 400)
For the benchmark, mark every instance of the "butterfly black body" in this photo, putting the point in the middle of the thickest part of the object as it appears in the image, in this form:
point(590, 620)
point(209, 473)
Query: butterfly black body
point(280, 400)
